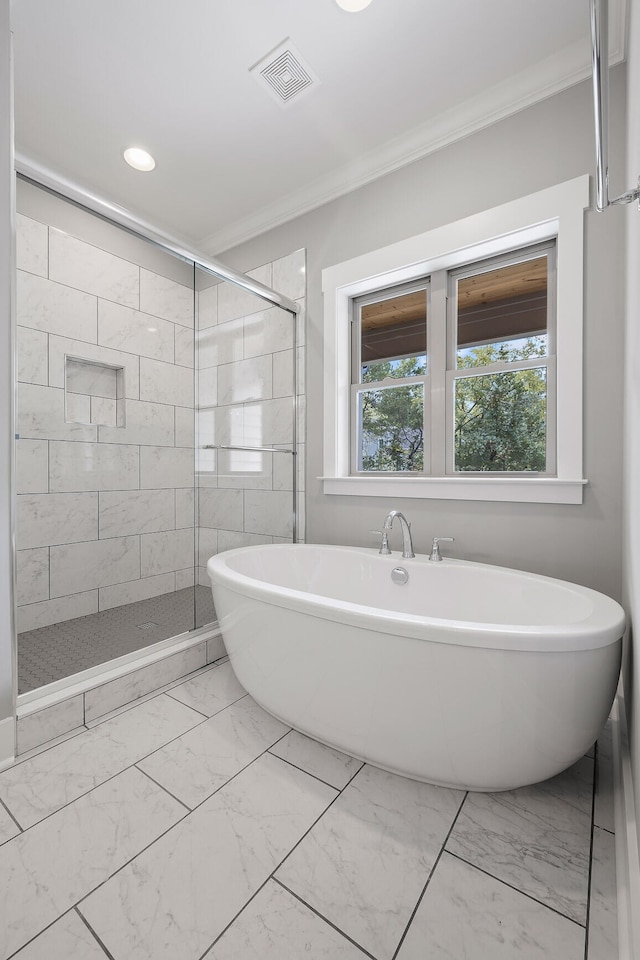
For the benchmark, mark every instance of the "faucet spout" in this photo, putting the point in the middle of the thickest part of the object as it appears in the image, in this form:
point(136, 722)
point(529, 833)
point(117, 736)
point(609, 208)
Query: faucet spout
point(407, 543)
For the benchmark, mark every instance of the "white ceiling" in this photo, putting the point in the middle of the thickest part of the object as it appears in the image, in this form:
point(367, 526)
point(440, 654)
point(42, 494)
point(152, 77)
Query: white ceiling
point(396, 81)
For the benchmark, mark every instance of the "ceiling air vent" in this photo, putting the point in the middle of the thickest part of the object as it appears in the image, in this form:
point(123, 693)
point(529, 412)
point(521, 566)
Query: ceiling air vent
point(284, 73)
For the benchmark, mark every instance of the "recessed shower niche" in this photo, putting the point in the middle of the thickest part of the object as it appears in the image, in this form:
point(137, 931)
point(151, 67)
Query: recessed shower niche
point(93, 393)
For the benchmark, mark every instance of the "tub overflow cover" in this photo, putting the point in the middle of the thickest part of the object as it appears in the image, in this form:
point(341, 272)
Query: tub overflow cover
point(399, 575)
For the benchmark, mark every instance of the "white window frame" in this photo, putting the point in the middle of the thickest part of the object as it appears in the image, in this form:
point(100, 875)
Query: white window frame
point(554, 213)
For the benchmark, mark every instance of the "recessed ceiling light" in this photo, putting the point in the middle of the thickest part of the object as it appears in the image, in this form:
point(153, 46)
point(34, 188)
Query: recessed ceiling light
point(139, 159)
point(353, 6)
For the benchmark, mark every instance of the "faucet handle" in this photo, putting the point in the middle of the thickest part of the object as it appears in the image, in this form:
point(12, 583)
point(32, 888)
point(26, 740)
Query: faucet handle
point(384, 542)
point(435, 547)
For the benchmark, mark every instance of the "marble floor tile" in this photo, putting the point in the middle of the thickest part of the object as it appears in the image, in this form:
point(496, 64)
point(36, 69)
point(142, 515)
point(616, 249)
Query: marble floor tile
point(535, 838)
point(467, 914)
point(212, 691)
point(330, 765)
point(44, 871)
point(603, 916)
point(199, 762)
point(181, 893)
point(8, 826)
point(36, 788)
point(276, 926)
point(67, 939)
point(365, 863)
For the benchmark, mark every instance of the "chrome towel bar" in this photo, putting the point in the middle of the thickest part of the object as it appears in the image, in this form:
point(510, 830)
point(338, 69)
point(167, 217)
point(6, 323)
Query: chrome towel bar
point(225, 446)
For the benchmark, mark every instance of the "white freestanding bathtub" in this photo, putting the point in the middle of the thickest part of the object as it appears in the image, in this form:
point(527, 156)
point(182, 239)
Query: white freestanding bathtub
point(467, 675)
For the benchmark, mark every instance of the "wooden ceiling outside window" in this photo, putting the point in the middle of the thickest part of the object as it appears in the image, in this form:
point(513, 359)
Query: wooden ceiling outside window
point(505, 303)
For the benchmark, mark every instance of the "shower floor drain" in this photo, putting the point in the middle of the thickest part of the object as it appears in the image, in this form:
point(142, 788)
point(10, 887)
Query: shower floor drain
point(148, 625)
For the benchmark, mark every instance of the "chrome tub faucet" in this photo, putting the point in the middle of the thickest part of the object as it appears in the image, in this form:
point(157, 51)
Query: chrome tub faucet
point(407, 545)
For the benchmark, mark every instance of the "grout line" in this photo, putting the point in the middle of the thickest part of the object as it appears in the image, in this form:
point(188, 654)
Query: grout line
point(38, 934)
point(322, 917)
point(278, 865)
point(162, 787)
point(611, 833)
point(296, 845)
point(93, 933)
point(107, 779)
point(3, 804)
point(308, 772)
point(431, 873)
point(173, 825)
point(140, 852)
point(145, 698)
point(205, 716)
point(517, 890)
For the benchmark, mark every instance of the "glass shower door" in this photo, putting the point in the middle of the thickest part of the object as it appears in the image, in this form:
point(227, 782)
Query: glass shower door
point(246, 422)
point(105, 446)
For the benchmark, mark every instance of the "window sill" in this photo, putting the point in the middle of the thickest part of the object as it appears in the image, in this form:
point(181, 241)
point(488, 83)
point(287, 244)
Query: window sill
point(506, 489)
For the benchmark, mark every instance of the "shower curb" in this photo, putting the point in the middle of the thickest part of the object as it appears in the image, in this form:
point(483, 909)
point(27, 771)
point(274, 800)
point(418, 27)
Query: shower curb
point(60, 707)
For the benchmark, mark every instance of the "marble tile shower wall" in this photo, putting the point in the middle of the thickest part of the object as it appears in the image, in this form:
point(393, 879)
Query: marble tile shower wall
point(245, 355)
point(105, 512)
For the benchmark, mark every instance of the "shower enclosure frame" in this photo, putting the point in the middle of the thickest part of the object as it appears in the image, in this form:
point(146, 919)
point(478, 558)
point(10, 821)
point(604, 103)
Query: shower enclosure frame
point(118, 216)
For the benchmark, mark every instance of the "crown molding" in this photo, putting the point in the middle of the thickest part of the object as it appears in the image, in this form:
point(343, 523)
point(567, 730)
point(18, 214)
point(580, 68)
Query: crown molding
point(540, 82)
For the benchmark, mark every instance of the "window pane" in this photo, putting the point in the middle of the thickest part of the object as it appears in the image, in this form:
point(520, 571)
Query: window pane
point(391, 428)
point(501, 421)
point(393, 334)
point(502, 314)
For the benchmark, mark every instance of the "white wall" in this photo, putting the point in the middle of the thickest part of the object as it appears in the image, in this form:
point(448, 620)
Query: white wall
point(541, 146)
point(632, 404)
point(6, 390)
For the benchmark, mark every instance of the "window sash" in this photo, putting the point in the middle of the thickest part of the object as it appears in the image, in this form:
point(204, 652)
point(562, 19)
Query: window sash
point(356, 425)
point(442, 371)
point(548, 363)
point(377, 296)
point(511, 258)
